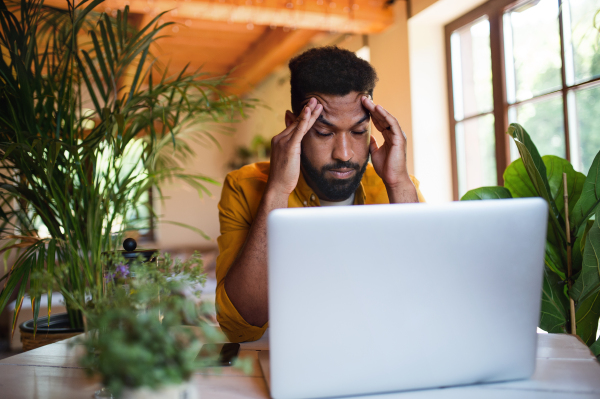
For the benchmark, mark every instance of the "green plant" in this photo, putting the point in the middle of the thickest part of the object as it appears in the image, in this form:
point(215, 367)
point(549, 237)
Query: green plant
point(135, 333)
point(259, 150)
point(536, 176)
point(89, 122)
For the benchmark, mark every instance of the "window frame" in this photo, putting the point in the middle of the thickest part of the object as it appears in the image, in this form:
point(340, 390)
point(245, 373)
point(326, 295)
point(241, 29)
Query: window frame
point(494, 10)
point(150, 235)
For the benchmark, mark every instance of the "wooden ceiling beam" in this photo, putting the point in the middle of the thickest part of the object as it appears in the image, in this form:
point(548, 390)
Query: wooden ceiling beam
point(349, 16)
point(192, 35)
point(272, 49)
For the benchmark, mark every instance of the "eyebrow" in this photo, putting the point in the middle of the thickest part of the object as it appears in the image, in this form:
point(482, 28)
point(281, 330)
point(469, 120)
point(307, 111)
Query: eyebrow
point(324, 121)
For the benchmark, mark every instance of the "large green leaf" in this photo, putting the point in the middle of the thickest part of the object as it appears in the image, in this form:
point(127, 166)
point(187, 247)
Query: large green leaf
point(579, 246)
point(590, 196)
point(554, 261)
point(588, 282)
point(555, 167)
point(595, 348)
point(485, 193)
point(536, 170)
point(553, 317)
point(517, 180)
point(587, 316)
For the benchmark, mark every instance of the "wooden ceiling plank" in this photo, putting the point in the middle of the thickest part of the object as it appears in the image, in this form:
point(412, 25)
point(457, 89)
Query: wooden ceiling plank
point(274, 48)
point(247, 38)
point(370, 17)
point(202, 45)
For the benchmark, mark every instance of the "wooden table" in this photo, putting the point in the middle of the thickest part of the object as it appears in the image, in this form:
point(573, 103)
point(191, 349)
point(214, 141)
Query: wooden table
point(565, 369)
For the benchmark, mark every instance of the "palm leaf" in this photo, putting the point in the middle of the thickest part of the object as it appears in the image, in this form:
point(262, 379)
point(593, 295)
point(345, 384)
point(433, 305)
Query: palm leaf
point(75, 181)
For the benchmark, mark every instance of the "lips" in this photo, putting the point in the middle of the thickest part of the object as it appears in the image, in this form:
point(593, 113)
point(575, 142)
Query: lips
point(342, 173)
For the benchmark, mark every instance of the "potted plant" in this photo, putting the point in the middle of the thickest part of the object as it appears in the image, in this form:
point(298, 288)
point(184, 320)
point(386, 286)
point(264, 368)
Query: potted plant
point(145, 333)
point(90, 121)
point(571, 290)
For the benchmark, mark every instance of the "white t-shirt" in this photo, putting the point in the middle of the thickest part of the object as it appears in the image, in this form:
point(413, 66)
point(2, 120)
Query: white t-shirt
point(349, 201)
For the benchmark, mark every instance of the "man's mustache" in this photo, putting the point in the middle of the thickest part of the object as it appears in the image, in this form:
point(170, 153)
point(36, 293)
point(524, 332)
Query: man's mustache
point(341, 165)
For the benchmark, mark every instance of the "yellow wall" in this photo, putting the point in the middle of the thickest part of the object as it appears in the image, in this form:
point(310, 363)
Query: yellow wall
point(389, 56)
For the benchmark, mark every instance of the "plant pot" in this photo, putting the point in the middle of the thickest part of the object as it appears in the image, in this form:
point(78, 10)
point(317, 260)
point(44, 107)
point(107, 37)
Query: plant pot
point(57, 329)
point(186, 390)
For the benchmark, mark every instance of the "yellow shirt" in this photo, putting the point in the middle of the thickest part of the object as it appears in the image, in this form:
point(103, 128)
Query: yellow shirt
point(242, 193)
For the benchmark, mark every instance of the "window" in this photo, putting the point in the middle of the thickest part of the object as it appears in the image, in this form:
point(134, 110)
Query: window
point(534, 62)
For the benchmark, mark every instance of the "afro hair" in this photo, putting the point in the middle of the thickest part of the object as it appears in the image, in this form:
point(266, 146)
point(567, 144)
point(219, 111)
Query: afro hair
point(329, 70)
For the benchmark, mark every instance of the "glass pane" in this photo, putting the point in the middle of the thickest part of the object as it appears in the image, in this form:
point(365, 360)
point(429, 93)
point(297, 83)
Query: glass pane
point(544, 122)
point(472, 69)
point(586, 137)
point(476, 153)
point(532, 45)
point(584, 37)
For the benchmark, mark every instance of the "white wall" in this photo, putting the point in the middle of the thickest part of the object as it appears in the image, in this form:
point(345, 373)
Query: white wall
point(431, 135)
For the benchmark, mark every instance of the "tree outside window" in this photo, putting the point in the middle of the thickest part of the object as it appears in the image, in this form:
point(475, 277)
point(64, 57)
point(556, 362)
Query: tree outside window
point(534, 62)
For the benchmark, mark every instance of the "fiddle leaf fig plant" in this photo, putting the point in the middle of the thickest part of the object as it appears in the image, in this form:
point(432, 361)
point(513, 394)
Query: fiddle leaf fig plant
point(535, 176)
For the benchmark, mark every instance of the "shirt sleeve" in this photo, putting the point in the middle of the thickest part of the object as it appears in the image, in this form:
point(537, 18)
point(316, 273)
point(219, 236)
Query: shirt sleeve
point(417, 183)
point(235, 219)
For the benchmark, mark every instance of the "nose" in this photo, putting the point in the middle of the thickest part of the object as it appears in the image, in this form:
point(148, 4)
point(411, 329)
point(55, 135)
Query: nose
point(342, 150)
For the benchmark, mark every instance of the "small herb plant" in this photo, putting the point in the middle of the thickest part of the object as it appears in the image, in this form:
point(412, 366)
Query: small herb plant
point(572, 272)
point(141, 332)
point(141, 349)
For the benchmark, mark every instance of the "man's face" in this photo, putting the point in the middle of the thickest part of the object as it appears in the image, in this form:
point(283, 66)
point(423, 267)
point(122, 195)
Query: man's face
point(335, 151)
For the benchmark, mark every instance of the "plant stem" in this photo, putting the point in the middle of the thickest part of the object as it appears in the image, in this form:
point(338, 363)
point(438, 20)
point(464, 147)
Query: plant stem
point(569, 258)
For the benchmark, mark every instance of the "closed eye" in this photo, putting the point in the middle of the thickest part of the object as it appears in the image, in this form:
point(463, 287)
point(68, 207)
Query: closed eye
point(359, 133)
point(323, 134)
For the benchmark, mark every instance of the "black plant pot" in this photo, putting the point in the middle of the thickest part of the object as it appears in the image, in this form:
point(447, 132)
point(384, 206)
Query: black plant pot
point(57, 329)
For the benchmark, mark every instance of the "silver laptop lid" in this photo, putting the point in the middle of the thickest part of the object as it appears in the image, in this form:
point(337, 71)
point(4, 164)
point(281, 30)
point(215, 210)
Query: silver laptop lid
point(381, 298)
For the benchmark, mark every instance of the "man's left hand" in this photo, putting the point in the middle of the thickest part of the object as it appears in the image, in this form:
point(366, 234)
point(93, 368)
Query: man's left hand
point(389, 160)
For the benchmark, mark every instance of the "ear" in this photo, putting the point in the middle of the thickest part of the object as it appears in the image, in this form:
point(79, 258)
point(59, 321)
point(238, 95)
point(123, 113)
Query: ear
point(289, 118)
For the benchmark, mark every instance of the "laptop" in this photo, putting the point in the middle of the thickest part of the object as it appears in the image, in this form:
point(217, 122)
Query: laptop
point(384, 298)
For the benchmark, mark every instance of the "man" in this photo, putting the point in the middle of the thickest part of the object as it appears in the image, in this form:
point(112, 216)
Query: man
point(321, 158)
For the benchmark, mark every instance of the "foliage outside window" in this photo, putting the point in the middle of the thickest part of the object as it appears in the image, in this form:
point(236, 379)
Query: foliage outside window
point(534, 62)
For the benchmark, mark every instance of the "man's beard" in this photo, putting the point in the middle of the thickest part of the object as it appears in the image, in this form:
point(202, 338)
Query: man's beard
point(333, 189)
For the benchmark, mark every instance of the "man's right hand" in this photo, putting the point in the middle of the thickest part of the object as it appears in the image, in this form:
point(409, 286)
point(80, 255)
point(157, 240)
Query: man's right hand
point(246, 282)
point(285, 151)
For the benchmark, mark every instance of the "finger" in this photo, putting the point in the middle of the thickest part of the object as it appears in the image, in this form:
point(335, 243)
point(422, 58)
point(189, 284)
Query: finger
point(383, 121)
point(314, 116)
point(376, 116)
point(391, 128)
point(388, 119)
point(293, 126)
point(312, 103)
point(303, 120)
point(305, 125)
point(373, 146)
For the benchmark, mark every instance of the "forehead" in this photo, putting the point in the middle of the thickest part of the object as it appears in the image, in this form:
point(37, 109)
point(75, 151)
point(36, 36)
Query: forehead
point(340, 107)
